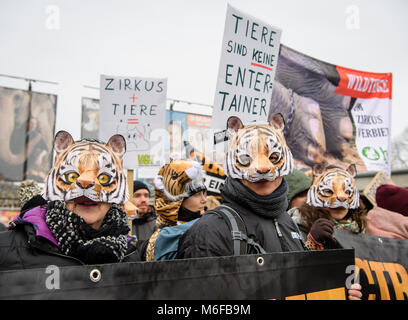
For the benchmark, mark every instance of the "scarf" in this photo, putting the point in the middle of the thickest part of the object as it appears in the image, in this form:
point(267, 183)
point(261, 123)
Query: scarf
point(77, 239)
point(185, 215)
point(346, 224)
point(271, 205)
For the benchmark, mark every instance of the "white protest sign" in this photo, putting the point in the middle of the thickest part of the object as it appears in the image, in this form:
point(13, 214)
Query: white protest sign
point(372, 119)
point(247, 68)
point(135, 108)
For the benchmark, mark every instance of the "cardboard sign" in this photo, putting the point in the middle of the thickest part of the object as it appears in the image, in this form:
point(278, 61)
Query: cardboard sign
point(136, 109)
point(249, 56)
point(379, 179)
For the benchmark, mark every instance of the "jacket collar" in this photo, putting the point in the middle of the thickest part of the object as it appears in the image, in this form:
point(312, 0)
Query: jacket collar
point(35, 217)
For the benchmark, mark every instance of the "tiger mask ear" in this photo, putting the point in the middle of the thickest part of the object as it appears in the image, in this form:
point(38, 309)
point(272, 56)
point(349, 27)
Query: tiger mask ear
point(352, 170)
point(319, 168)
point(62, 141)
point(277, 121)
point(234, 124)
point(117, 144)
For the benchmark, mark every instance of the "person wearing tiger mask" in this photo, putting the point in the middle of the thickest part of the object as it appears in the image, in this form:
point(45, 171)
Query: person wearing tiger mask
point(256, 162)
point(333, 202)
point(180, 199)
point(80, 217)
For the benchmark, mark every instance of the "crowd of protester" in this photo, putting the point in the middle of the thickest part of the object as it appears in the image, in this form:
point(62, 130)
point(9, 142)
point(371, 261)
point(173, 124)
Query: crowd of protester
point(179, 221)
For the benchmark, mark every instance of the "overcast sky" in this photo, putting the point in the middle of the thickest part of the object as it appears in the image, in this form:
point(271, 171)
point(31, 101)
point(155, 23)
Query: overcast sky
point(73, 42)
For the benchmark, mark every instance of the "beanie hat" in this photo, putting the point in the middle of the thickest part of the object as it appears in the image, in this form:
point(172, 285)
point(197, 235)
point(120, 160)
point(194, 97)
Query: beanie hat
point(392, 198)
point(137, 185)
point(298, 182)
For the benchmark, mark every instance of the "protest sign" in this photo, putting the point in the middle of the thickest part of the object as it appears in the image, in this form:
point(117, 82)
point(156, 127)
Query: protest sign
point(135, 108)
point(332, 113)
point(371, 189)
point(27, 126)
point(249, 55)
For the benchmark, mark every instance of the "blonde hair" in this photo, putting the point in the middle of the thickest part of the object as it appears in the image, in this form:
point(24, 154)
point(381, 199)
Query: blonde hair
point(212, 202)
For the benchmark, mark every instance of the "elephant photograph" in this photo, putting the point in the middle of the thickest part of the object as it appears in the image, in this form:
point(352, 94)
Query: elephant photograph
point(26, 134)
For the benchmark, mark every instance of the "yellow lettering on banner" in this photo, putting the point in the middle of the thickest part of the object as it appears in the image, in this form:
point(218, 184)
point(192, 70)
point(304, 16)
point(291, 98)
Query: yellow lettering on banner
point(298, 297)
point(396, 272)
point(378, 268)
point(332, 294)
point(363, 264)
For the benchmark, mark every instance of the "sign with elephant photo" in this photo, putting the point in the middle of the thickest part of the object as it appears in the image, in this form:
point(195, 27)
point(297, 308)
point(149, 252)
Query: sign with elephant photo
point(134, 107)
point(333, 113)
point(27, 124)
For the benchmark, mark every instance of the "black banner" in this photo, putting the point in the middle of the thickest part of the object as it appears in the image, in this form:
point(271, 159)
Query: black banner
point(269, 276)
point(382, 262)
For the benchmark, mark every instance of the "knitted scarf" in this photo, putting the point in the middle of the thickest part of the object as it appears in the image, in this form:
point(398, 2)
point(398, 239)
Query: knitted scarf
point(77, 239)
point(270, 205)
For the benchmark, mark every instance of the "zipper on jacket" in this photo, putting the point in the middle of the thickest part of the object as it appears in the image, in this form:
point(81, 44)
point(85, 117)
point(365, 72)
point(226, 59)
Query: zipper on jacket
point(277, 228)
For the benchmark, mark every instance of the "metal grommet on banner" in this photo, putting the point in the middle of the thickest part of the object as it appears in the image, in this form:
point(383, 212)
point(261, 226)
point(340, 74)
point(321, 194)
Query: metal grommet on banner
point(95, 275)
point(260, 261)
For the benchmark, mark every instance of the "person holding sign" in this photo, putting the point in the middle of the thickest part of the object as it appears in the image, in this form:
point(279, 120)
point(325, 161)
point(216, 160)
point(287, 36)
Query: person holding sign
point(80, 219)
point(255, 192)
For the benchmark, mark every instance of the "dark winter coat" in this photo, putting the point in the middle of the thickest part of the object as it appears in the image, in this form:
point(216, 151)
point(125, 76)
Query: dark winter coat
point(144, 226)
point(29, 243)
point(265, 218)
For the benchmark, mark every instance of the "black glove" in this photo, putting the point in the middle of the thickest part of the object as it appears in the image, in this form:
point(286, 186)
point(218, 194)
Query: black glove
point(322, 231)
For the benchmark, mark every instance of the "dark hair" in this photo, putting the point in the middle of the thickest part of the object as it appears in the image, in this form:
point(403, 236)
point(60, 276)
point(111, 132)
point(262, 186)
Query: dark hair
point(311, 214)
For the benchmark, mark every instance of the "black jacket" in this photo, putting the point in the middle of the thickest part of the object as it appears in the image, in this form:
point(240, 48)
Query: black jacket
point(21, 248)
point(144, 226)
point(211, 236)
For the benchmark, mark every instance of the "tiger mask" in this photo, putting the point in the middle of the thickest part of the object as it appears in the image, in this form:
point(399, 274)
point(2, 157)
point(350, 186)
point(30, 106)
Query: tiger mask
point(257, 151)
point(87, 169)
point(176, 180)
point(333, 187)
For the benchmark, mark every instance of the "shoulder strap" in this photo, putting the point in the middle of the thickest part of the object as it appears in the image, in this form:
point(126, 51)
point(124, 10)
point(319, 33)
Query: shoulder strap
point(238, 230)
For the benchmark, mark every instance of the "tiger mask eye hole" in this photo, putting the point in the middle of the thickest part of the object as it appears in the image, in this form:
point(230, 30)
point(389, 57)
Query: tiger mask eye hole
point(104, 179)
point(244, 160)
point(327, 192)
point(274, 157)
point(174, 175)
point(71, 177)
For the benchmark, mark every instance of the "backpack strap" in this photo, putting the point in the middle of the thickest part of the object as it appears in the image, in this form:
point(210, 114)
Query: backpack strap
point(238, 230)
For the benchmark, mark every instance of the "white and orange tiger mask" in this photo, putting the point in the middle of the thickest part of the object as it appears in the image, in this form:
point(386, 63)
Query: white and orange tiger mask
point(87, 169)
point(176, 181)
point(333, 187)
point(257, 151)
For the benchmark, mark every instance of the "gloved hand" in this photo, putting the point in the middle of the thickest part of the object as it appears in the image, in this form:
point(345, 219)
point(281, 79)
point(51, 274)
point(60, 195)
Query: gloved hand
point(322, 231)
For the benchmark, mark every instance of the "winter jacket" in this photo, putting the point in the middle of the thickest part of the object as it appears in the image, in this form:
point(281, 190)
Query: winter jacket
point(265, 218)
point(144, 226)
point(388, 224)
point(29, 243)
